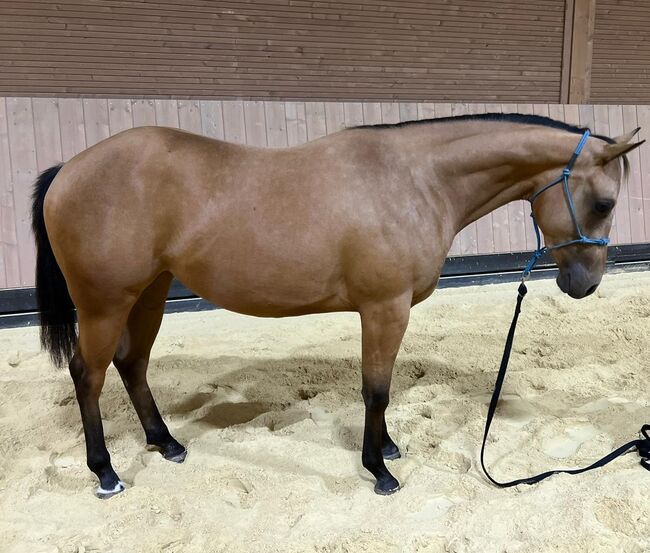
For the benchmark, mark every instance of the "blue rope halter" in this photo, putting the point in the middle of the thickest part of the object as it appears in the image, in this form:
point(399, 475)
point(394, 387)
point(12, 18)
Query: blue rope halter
point(582, 239)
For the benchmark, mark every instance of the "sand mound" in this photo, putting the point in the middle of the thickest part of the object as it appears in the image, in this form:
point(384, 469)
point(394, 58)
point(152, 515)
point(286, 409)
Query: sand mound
point(272, 416)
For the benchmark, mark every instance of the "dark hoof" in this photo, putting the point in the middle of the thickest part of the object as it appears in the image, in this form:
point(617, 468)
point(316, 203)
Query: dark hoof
point(175, 456)
point(105, 494)
point(172, 451)
point(387, 486)
point(391, 452)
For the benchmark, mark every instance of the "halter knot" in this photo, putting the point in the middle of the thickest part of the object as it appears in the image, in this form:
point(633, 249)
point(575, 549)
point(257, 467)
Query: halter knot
point(537, 254)
point(566, 172)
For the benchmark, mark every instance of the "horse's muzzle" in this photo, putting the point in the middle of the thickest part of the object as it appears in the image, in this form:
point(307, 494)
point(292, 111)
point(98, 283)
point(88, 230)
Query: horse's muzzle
point(577, 281)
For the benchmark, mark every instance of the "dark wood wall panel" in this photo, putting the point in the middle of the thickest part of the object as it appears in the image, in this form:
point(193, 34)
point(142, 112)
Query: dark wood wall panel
point(467, 50)
point(621, 53)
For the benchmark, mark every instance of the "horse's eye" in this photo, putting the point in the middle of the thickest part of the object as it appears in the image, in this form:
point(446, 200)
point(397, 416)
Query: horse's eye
point(603, 207)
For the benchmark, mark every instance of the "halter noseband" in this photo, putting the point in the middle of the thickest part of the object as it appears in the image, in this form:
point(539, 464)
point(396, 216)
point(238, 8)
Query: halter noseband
point(582, 239)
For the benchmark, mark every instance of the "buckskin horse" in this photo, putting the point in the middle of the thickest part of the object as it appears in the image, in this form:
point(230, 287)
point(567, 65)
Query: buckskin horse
point(360, 220)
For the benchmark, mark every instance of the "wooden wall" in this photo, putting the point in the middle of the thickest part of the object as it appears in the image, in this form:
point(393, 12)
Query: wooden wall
point(36, 133)
point(621, 52)
point(434, 50)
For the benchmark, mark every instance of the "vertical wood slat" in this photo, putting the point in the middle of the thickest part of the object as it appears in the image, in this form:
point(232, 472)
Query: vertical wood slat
point(189, 116)
point(408, 111)
point(276, 124)
point(634, 184)
point(9, 265)
point(296, 123)
point(47, 142)
point(22, 154)
point(166, 113)
point(556, 111)
point(572, 114)
point(372, 113)
point(120, 115)
point(353, 113)
point(334, 117)
point(622, 211)
point(144, 113)
point(586, 116)
point(643, 120)
point(426, 110)
point(565, 77)
point(255, 123)
point(212, 118)
point(389, 113)
point(47, 137)
point(96, 120)
point(234, 127)
point(582, 38)
point(73, 130)
point(315, 120)
point(37, 133)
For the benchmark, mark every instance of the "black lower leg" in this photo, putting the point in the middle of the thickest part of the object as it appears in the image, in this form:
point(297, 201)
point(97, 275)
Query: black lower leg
point(389, 449)
point(88, 388)
point(373, 438)
point(157, 434)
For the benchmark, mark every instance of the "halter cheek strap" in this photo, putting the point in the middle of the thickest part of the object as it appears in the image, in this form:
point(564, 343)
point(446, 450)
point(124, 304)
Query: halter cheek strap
point(582, 239)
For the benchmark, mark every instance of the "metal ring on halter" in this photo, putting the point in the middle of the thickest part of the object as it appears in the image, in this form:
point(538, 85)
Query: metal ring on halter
point(582, 239)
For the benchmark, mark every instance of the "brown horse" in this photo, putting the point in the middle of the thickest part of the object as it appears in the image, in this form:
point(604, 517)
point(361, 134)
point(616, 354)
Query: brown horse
point(360, 221)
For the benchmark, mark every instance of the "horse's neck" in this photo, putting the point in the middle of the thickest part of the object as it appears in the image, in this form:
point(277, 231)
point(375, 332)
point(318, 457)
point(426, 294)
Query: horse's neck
point(478, 167)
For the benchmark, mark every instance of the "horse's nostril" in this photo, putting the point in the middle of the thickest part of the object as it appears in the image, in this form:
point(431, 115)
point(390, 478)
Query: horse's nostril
point(591, 290)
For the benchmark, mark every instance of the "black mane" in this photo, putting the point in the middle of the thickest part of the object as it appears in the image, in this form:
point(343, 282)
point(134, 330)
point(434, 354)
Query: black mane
point(521, 118)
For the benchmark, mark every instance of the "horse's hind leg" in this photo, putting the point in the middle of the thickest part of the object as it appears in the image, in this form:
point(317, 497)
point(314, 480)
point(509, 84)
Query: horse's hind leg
point(99, 332)
point(132, 358)
point(383, 325)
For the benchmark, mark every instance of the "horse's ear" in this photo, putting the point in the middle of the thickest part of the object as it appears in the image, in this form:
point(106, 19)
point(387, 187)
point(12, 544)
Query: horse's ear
point(612, 151)
point(625, 138)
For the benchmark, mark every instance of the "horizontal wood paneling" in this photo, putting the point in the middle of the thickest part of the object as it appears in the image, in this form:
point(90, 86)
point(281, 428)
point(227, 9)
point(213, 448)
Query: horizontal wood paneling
point(621, 53)
point(432, 50)
point(39, 132)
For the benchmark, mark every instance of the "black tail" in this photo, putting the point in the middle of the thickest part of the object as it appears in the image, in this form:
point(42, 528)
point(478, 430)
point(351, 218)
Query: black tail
point(58, 317)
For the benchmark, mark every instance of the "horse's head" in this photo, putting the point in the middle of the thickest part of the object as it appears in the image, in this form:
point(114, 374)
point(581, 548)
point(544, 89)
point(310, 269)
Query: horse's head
point(593, 188)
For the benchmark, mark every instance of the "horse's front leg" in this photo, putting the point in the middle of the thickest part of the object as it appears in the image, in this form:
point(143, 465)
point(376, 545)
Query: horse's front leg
point(382, 327)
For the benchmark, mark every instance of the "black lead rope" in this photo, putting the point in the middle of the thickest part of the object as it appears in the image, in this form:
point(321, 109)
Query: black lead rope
point(642, 445)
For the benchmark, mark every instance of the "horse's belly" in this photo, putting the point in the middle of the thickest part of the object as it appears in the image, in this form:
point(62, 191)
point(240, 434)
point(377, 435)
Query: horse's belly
point(265, 288)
